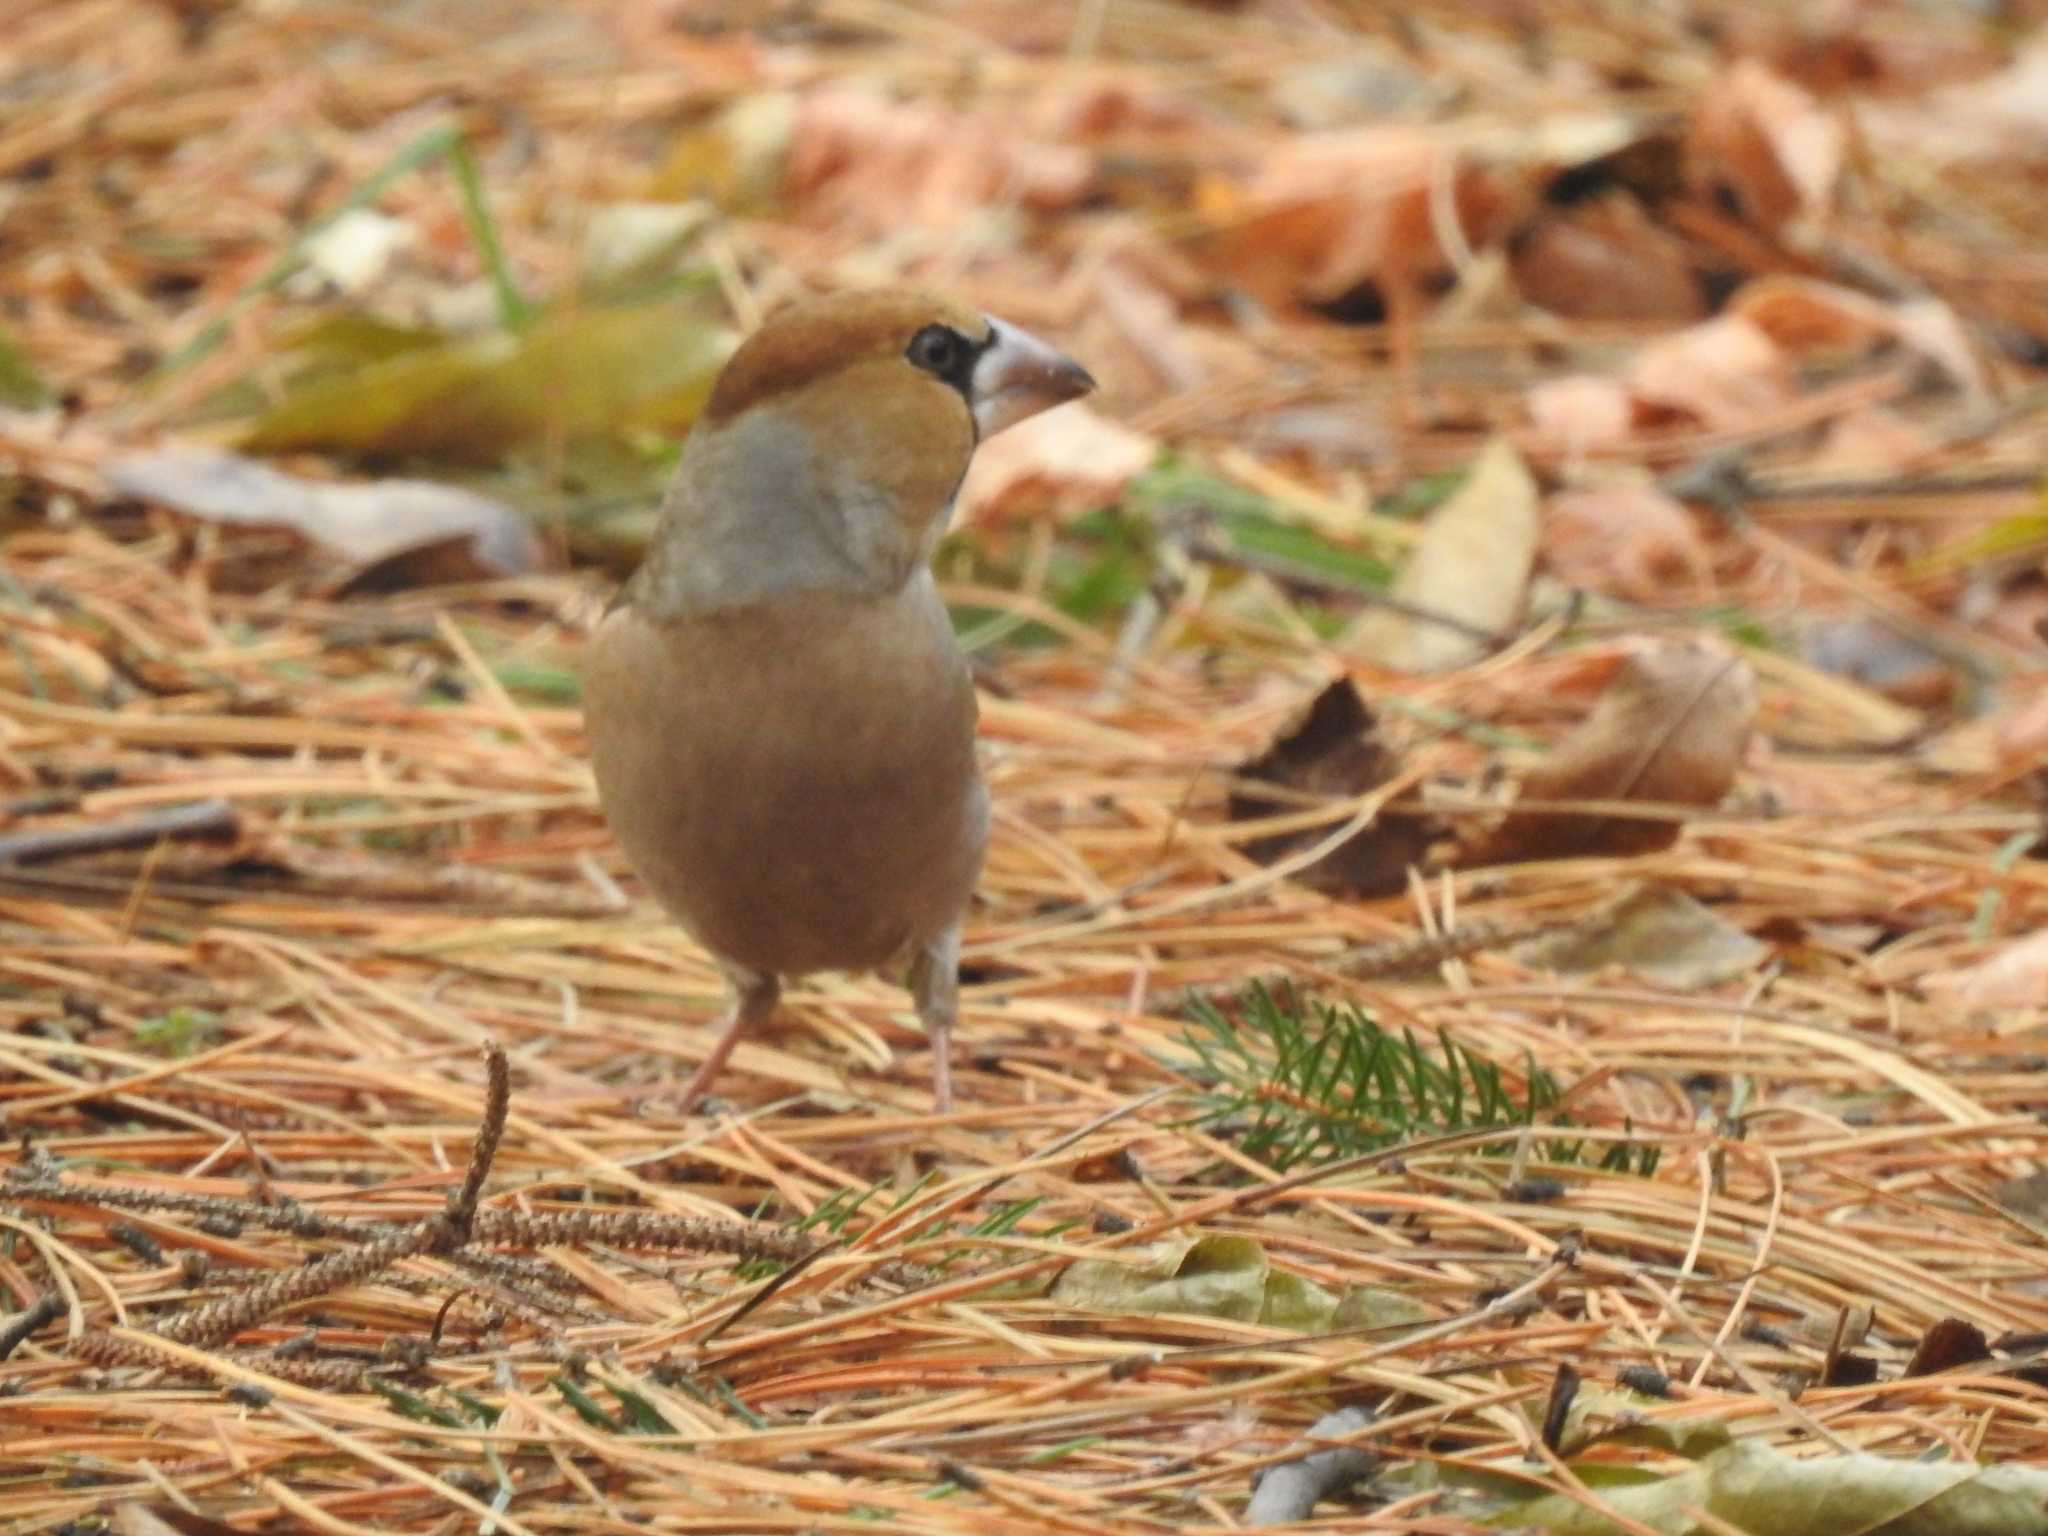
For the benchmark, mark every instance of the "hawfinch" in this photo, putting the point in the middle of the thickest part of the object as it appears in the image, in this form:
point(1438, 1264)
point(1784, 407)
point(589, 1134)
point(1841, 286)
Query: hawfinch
point(781, 724)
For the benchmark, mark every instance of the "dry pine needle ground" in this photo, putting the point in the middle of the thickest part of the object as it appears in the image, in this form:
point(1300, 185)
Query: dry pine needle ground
point(341, 1196)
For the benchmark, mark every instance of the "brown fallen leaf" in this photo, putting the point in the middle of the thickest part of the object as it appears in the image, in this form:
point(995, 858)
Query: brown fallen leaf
point(2010, 734)
point(1670, 730)
point(367, 524)
point(1949, 1343)
point(1607, 259)
point(1328, 213)
point(1763, 147)
point(1727, 373)
point(1067, 462)
point(2001, 115)
point(1467, 582)
point(1333, 750)
point(1803, 314)
point(1630, 539)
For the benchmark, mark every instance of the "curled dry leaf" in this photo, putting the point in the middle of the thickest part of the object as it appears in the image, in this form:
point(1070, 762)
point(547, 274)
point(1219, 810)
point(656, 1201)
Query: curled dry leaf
point(1763, 147)
point(1067, 461)
point(1670, 730)
point(1630, 539)
point(1803, 314)
point(1468, 579)
point(595, 370)
point(1333, 750)
point(367, 525)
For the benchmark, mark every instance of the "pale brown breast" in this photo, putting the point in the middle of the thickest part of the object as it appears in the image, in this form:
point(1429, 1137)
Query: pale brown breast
point(794, 779)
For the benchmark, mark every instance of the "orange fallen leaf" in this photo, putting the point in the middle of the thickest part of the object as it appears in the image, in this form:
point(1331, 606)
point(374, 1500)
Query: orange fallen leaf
point(1763, 147)
point(1803, 314)
point(1671, 729)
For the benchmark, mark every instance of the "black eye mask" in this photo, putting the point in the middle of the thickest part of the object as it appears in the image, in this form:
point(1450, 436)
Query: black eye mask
point(946, 355)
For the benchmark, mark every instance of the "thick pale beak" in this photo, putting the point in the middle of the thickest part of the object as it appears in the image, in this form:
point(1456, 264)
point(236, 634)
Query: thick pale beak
point(1017, 376)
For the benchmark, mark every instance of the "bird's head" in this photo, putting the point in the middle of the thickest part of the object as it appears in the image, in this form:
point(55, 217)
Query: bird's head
point(832, 444)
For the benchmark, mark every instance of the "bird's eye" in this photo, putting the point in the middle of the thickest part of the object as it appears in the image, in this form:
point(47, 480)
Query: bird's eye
point(937, 349)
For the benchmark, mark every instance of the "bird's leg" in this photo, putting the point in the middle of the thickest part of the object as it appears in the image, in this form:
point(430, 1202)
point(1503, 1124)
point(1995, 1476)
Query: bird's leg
point(753, 1000)
point(935, 988)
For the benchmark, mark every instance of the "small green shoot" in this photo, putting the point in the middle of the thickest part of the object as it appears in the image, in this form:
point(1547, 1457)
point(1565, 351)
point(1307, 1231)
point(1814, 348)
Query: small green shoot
point(513, 310)
point(179, 1032)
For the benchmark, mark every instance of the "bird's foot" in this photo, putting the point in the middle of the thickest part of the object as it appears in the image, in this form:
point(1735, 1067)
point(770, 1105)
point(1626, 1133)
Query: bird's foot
point(935, 987)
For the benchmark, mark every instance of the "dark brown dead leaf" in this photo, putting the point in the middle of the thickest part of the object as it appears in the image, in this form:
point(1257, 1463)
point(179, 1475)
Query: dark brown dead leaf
point(164, 1520)
point(1606, 259)
point(1949, 1343)
point(1671, 729)
point(1333, 750)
